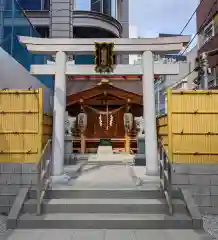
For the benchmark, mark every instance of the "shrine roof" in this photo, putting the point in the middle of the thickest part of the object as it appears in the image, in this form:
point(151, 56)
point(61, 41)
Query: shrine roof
point(103, 87)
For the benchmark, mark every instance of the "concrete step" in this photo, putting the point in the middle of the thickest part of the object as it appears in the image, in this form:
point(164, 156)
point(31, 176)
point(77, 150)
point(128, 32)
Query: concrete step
point(105, 206)
point(106, 162)
point(97, 193)
point(105, 221)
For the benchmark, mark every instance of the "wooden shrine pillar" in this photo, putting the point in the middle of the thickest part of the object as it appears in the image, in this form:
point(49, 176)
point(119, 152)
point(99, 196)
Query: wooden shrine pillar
point(82, 122)
point(127, 143)
point(83, 143)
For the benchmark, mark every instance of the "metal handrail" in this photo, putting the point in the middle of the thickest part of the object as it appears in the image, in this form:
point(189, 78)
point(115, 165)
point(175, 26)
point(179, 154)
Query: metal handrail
point(165, 175)
point(44, 174)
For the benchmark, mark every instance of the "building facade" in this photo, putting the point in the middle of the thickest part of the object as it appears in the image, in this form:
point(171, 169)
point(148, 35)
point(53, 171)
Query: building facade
point(15, 59)
point(80, 19)
point(14, 22)
point(165, 81)
point(207, 26)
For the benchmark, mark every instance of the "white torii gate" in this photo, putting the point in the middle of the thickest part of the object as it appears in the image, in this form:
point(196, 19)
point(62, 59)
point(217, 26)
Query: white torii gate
point(61, 69)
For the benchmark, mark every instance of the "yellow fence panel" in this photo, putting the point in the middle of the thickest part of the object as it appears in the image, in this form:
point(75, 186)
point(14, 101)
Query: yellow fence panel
point(47, 128)
point(20, 125)
point(192, 126)
point(162, 128)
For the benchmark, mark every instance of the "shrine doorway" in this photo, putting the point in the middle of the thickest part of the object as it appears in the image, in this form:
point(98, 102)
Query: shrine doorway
point(105, 107)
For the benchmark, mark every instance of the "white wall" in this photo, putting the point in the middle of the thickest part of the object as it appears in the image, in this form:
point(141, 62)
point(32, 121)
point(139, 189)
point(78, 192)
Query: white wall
point(133, 33)
point(15, 76)
point(191, 56)
point(170, 80)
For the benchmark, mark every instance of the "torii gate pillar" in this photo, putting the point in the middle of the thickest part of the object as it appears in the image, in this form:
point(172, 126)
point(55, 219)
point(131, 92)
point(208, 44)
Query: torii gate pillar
point(149, 114)
point(59, 114)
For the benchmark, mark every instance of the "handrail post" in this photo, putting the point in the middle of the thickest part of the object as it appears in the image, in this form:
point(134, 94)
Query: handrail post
point(38, 191)
point(44, 173)
point(165, 176)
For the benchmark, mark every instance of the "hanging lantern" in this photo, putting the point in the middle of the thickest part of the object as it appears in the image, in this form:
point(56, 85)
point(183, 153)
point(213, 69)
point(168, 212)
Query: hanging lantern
point(128, 121)
point(82, 122)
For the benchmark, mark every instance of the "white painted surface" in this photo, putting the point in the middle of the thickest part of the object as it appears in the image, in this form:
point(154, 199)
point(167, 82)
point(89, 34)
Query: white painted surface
point(116, 41)
point(121, 69)
point(133, 33)
point(124, 45)
point(59, 114)
point(14, 76)
point(149, 114)
point(90, 49)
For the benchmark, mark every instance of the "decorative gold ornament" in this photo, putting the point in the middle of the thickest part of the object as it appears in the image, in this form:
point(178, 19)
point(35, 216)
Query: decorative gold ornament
point(104, 57)
point(82, 122)
point(128, 121)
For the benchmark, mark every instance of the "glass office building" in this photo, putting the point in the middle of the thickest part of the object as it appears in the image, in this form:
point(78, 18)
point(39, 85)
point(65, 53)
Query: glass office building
point(35, 4)
point(13, 22)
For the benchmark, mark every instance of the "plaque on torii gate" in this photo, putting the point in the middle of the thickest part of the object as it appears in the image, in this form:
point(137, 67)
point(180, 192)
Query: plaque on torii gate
point(104, 57)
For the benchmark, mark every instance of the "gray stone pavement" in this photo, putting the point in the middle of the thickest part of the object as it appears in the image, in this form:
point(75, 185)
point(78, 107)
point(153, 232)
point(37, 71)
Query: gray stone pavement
point(109, 177)
point(105, 235)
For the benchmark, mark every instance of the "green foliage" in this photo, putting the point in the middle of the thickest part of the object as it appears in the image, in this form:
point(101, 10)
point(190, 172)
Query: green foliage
point(105, 142)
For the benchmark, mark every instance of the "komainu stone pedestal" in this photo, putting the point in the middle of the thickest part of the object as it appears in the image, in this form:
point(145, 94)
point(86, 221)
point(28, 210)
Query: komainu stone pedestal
point(106, 154)
point(68, 146)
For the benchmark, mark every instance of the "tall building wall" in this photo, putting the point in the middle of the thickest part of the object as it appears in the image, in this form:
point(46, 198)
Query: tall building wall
point(123, 17)
point(208, 36)
point(61, 19)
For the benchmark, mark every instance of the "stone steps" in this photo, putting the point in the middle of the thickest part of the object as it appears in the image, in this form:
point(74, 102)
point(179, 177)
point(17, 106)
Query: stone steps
point(104, 221)
point(96, 193)
point(139, 206)
point(105, 209)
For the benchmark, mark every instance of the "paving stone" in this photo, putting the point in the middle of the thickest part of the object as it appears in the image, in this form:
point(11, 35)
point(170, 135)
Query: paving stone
point(203, 169)
point(29, 178)
point(11, 168)
point(199, 180)
point(25, 235)
point(214, 190)
point(30, 168)
point(10, 189)
point(178, 179)
point(89, 234)
point(214, 180)
point(202, 200)
point(197, 190)
point(120, 235)
point(8, 178)
point(57, 235)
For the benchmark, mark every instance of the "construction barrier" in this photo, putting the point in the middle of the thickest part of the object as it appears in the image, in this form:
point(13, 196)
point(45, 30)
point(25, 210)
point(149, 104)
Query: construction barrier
point(23, 128)
point(192, 121)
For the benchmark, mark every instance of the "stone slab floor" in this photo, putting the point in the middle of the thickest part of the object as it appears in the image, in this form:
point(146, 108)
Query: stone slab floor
point(108, 177)
point(105, 235)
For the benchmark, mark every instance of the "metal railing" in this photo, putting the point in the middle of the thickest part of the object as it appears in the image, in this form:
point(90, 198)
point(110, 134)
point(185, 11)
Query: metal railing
point(165, 175)
point(45, 167)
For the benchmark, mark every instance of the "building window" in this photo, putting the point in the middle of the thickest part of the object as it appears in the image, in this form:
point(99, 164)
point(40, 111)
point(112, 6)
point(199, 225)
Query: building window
point(34, 5)
point(208, 32)
point(46, 4)
point(96, 5)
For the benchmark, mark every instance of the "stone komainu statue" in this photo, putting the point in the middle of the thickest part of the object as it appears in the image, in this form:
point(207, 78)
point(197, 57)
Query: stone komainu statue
point(69, 123)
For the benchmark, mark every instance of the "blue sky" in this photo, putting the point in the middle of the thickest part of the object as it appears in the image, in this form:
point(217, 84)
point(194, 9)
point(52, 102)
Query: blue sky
point(162, 16)
point(152, 17)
